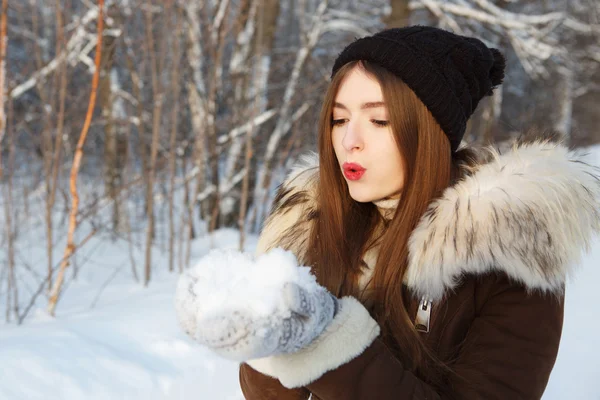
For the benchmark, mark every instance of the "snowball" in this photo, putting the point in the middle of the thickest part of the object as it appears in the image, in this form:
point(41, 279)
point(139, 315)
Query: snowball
point(226, 281)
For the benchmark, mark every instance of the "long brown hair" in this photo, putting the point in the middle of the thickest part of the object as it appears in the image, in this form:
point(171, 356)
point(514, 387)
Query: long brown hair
point(345, 228)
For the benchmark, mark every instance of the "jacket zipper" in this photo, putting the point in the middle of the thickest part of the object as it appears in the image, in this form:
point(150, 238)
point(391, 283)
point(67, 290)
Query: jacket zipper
point(423, 318)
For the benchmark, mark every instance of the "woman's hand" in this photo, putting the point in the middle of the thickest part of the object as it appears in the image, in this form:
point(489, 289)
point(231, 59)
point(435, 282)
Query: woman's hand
point(240, 332)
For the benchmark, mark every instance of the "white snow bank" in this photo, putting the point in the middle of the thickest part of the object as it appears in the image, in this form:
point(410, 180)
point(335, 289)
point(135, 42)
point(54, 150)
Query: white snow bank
point(113, 338)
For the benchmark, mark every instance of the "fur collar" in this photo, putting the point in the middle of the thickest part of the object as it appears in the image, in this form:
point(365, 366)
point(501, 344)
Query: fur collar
point(529, 213)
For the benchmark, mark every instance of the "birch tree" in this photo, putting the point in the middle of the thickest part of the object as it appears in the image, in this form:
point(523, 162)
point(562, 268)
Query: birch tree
point(3, 45)
point(57, 286)
point(113, 112)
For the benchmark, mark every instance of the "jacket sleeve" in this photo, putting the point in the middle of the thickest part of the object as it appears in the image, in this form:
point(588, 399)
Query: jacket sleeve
point(256, 386)
point(508, 353)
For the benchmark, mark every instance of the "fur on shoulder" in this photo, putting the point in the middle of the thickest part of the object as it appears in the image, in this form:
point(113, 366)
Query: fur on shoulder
point(529, 212)
point(294, 207)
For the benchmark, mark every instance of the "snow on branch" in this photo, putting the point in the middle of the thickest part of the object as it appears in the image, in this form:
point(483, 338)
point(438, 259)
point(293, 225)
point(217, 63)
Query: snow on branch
point(505, 19)
point(194, 35)
point(243, 42)
point(581, 27)
point(79, 45)
point(224, 187)
point(240, 130)
point(528, 34)
point(339, 25)
point(526, 19)
point(218, 20)
point(445, 18)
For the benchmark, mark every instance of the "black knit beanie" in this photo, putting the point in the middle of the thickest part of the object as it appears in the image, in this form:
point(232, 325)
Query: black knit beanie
point(448, 72)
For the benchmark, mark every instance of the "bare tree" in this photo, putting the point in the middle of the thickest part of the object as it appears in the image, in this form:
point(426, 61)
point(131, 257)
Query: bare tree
point(3, 45)
point(56, 152)
point(75, 169)
point(175, 88)
point(283, 122)
point(157, 94)
point(113, 112)
point(12, 292)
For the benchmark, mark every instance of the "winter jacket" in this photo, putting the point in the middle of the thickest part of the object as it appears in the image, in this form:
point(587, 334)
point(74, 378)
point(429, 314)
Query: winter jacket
point(491, 256)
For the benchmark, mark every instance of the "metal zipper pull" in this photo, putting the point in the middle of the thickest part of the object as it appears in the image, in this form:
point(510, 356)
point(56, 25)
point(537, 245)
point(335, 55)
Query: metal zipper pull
point(423, 315)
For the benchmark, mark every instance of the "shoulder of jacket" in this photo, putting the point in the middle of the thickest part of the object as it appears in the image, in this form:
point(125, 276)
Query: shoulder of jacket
point(528, 212)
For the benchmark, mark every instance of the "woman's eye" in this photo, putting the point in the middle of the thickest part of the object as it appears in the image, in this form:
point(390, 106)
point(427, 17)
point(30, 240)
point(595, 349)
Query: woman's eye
point(380, 122)
point(337, 122)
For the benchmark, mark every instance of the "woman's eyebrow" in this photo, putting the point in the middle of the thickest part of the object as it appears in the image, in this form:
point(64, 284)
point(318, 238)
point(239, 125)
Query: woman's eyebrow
point(364, 106)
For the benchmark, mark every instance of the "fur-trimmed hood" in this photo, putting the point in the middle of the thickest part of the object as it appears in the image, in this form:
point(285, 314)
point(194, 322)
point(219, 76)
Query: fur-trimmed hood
point(529, 212)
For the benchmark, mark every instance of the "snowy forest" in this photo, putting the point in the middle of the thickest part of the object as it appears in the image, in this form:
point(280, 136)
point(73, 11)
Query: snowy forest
point(137, 134)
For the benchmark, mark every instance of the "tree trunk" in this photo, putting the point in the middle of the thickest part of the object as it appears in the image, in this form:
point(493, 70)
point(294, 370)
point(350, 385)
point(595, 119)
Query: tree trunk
point(196, 91)
point(106, 100)
point(70, 248)
point(3, 44)
point(219, 29)
point(175, 88)
point(400, 14)
point(254, 86)
point(283, 124)
point(157, 96)
point(565, 102)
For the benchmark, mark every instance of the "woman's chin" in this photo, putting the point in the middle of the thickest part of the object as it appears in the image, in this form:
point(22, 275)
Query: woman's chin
point(362, 197)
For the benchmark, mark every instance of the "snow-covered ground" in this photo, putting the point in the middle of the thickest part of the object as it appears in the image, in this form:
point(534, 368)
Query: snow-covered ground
point(120, 342)
point(114, 339)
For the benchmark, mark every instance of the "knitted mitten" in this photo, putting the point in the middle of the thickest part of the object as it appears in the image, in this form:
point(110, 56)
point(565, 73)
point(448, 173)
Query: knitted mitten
point(243, 333)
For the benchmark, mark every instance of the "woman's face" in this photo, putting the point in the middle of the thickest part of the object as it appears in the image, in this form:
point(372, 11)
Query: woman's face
point(363, 140)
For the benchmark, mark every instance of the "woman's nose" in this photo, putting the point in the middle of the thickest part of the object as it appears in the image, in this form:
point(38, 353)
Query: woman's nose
point(352, 138)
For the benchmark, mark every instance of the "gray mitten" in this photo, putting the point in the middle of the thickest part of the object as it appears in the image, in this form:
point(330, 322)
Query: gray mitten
point(244, 335)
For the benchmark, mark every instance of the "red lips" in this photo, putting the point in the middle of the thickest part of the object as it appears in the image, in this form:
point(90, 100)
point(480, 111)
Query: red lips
point(353, 171)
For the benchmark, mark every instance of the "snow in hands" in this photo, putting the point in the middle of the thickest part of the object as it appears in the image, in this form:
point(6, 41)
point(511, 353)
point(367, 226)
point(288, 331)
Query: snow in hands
point(245, 308)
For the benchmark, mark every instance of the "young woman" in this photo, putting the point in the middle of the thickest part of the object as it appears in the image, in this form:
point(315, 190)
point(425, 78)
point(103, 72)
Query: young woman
point(444, 269)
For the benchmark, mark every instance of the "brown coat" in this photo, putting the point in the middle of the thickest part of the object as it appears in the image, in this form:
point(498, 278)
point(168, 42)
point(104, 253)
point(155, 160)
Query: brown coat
point(497, 283)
